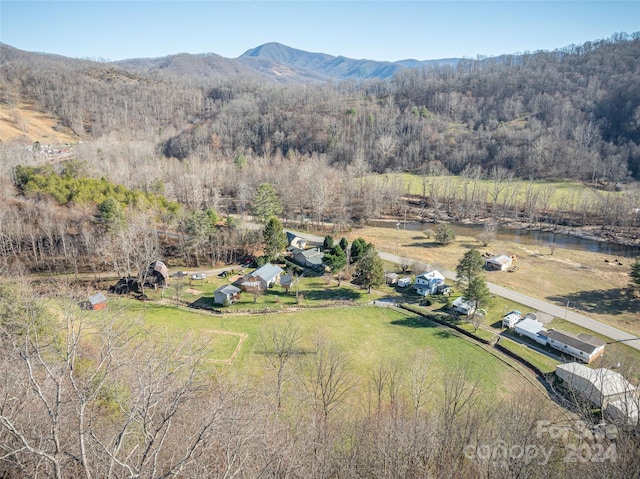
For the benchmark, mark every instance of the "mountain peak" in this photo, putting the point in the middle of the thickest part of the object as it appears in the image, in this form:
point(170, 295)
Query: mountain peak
point(277, 52)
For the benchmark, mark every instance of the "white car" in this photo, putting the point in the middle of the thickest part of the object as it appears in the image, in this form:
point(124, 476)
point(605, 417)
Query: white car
point(199, 276)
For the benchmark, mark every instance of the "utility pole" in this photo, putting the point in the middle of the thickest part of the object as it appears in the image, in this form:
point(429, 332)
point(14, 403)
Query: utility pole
point(397, 233)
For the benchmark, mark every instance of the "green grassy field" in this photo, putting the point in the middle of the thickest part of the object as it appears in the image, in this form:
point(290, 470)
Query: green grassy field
point(542, 362)
point(367, 335)
point(561, 192)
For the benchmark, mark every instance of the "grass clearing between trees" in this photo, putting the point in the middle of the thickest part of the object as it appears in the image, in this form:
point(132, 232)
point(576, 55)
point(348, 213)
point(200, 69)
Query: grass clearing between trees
point(367, 335)
point(560, 192)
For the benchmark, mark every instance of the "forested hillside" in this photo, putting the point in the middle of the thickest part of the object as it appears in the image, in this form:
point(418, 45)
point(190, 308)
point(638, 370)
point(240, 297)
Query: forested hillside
point(205, 132)
point(572, 113)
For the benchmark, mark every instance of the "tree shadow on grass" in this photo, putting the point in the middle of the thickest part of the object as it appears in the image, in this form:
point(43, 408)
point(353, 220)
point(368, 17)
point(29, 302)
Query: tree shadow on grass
point(429, 244)
point(339, 293)
point(415, 322)
point(603, 301)
point(420, 322)
point(204, 303)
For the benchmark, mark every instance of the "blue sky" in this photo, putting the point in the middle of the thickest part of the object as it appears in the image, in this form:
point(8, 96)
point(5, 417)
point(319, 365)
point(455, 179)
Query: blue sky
point(377, 30)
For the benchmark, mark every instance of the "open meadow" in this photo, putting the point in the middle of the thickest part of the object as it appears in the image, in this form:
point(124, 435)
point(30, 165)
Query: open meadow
point(367, 336)
point(557, 194)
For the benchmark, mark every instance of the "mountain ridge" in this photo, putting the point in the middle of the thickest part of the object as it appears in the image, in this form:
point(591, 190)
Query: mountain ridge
point(273, 61)
point(335, 67)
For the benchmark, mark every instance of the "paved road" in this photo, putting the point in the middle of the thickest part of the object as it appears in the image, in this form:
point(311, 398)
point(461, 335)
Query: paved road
point(539, 305)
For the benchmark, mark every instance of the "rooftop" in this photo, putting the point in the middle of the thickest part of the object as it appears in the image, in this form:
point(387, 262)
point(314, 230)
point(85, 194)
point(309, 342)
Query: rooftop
point(531, 326)
point(604, 380)
point(431, 275)
point(582, 342)
point(227, 289)
point(502, 259)
point(97, 298)
point(267, 272)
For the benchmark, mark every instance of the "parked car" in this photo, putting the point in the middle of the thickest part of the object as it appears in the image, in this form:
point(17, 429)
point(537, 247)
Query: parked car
point(246, 261)
point(199, 276)
point(180, 274)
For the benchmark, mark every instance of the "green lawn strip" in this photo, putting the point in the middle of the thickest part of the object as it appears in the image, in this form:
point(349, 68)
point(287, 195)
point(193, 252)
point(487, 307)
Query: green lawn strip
point(562, 191)
point(542, 362)
point(366, 334)
point(313, 291)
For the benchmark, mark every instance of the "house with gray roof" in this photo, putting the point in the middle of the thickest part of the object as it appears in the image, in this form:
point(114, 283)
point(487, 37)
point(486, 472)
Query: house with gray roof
point(226, 294)
point(584, 347)
point(309, 258)
point(263, 277)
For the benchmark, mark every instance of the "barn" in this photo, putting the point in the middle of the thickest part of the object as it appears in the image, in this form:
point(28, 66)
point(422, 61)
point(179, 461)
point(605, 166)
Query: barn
point(98, 301)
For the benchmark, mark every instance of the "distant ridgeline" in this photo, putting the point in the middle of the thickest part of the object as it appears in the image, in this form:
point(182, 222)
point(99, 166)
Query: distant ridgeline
point(73, 186)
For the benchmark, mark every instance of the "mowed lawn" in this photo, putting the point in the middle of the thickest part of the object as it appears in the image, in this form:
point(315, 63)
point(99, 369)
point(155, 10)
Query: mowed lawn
point(367, 335)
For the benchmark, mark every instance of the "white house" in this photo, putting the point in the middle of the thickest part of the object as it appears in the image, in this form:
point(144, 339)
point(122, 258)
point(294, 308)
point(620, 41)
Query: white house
point(499, 263)
point(532, 329)
point(584, 347)
point(226, 294)
point(604, 388)
point(427, 283)
point(263, 277)
point(510, 319)
point(463, 306)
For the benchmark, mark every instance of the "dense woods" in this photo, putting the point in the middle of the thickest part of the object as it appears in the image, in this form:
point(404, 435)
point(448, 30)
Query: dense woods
point(572, 113)
point(207, 141)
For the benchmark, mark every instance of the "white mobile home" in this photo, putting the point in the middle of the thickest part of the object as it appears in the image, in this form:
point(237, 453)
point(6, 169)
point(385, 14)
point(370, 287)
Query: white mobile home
point(532, 329)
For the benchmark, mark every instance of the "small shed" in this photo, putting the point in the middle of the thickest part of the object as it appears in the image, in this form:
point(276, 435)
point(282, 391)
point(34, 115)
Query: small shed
point(226, 294)
point(499, 263)
point(98, 301)
point(391, 278)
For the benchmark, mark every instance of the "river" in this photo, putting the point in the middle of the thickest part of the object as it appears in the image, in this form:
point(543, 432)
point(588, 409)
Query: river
point(522, 236)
